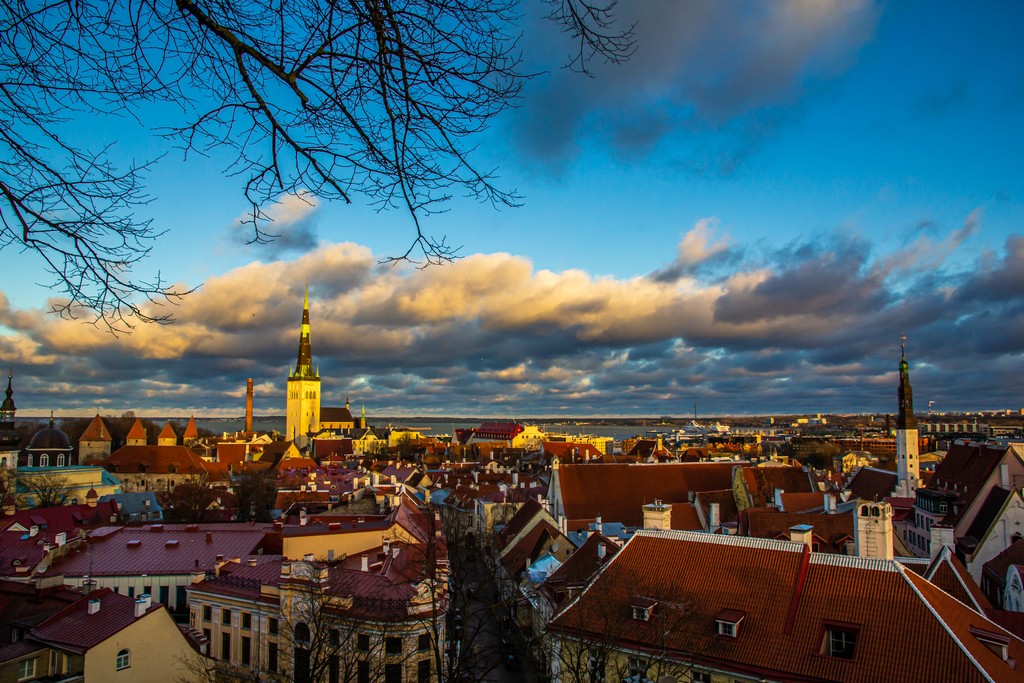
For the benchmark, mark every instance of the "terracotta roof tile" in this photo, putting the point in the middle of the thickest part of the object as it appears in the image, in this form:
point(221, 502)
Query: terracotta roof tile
point(137, 431)
point(618, 492)
point(190, 429)
point(789, 596)
point(154, 460)
point(96, 431)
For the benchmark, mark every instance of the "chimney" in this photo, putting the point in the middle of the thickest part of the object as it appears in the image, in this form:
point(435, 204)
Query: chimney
point(657, 515)
point(802, 533)
point(598, 526)
point(140, 607)
point(515, 479)
point(601, 551)
point(942, 535)
point(777, 499)
point(94, 606)
point(872, 531)
point(209, 537)
point(308, 557)
point(248, 405)
point(1004, 476)
point(830, 504)
point(365, 562)
point(33, 530)
point(714, 517)
point(302, 517)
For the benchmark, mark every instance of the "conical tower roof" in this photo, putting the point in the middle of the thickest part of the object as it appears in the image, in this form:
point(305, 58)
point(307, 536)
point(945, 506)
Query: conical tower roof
point(137, 431)
point(96, 431)
point(167, 432)
point(190, 429)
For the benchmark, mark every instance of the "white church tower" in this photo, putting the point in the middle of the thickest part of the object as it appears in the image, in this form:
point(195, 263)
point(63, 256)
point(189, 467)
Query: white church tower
point(872, 531)
point(303, 413)
point(908, 463)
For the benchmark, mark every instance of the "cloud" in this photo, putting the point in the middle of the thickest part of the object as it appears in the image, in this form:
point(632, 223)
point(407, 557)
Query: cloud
point(696, 248)
point(286, 226)
point(810, 326)
point(722, 67)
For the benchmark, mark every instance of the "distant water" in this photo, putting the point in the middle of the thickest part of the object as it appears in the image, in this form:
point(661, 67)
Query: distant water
point(429, 426)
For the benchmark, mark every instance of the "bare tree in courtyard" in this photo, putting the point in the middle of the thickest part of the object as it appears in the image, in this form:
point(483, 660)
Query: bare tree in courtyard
point(323, 100)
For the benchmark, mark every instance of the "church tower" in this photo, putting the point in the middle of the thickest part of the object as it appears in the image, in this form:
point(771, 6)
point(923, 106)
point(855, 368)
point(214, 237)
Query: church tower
point(9, 439)
point(908, 464)
point(303, 414)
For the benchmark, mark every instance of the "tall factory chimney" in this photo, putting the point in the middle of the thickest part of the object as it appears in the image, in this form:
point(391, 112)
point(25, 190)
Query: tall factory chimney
point(248, 406)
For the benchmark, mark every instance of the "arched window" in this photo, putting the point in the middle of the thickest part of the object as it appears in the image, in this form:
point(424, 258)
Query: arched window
point(44, 460)
point(30, 460)
point(124, 659)
point(60, 460)
point(301, 633)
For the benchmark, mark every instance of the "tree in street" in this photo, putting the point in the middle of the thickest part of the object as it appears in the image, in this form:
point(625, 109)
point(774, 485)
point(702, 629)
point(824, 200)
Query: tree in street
point(380, 99)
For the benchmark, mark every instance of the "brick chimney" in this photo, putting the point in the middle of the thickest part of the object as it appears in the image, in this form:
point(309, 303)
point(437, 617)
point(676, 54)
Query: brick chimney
point(248, 405)
point(657, 515)
point(802, 533)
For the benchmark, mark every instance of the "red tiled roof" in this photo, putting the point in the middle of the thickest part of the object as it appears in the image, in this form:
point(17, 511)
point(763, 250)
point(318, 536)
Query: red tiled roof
point(963, 471)
point(167, 432)
point(577, 570)
point(190, 429)
point(73, 628)
point(948, 573)
point(871, 483)
point(799, 502)
point(618, 492)
point(789, 596)
point(96, 431)
point(570, 452)
point(137, 431)
point(761, 483)
point(831, 531)
point(154, 460)
point(161, 549)
point(727, 511)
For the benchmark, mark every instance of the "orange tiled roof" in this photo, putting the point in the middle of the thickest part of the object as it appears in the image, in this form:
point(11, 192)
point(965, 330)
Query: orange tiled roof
point(948, 573)
point(190, 429)
point(154, 460)
point(137, 431)
point(831, 531)
point(96, 431)
point(761, 483)
point(789, 597)
point(167, 432)
point(618, 492)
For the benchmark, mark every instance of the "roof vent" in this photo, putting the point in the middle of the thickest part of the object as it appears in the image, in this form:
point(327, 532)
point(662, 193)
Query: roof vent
point(171, 544)
point(134, 543)
point(94, 606)
point(156, 528)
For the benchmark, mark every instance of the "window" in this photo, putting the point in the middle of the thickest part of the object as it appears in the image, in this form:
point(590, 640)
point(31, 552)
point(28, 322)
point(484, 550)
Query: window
point(393, 673)
point(335, 638)
point(26, 669)
point(272, 626)
point(246, 621)
point(423, 671)
point(225, 646)
point(272, 657)
point(165, 595)
point(207, 613)
point(124, 660)
point(423, 642)
point(363, 671)
point(301, 633)
point(840, 641)
point(393, 646)
point(727, 629)
point(225, 617)
point(147, 590)
point(638, 668)
point(700, 677)
point(595, 667)
point(44, 461)
point(60, 460)
point(246, 650)
point(363, 643)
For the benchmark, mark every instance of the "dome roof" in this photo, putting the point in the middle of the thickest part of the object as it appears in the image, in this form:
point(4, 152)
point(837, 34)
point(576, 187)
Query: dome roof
point(50, 439)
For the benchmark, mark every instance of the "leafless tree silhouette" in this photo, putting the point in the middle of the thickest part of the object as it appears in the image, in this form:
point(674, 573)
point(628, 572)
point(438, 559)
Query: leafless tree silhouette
point(322, 99)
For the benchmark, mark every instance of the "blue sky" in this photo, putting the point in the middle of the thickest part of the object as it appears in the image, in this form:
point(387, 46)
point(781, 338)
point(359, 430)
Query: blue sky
point(746, 215)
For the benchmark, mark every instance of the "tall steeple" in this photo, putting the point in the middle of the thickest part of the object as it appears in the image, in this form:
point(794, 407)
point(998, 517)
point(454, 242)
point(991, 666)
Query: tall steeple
point(906, 418)
point(303, 409)
point(304, 364)
point(7, 408)
point(908, 465)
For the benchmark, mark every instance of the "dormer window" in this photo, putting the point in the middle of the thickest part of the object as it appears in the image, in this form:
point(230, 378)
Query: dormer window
point(728, 622)
point(840, 640)
point(999, 644)
point(643, 608)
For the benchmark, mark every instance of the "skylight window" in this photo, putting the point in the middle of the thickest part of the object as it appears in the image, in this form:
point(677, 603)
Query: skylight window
point(840, 640)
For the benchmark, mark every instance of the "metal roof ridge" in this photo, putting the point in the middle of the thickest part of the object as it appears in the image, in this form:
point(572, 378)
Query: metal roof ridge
point(854, 562)
point(722, 539)
point(938, 617)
